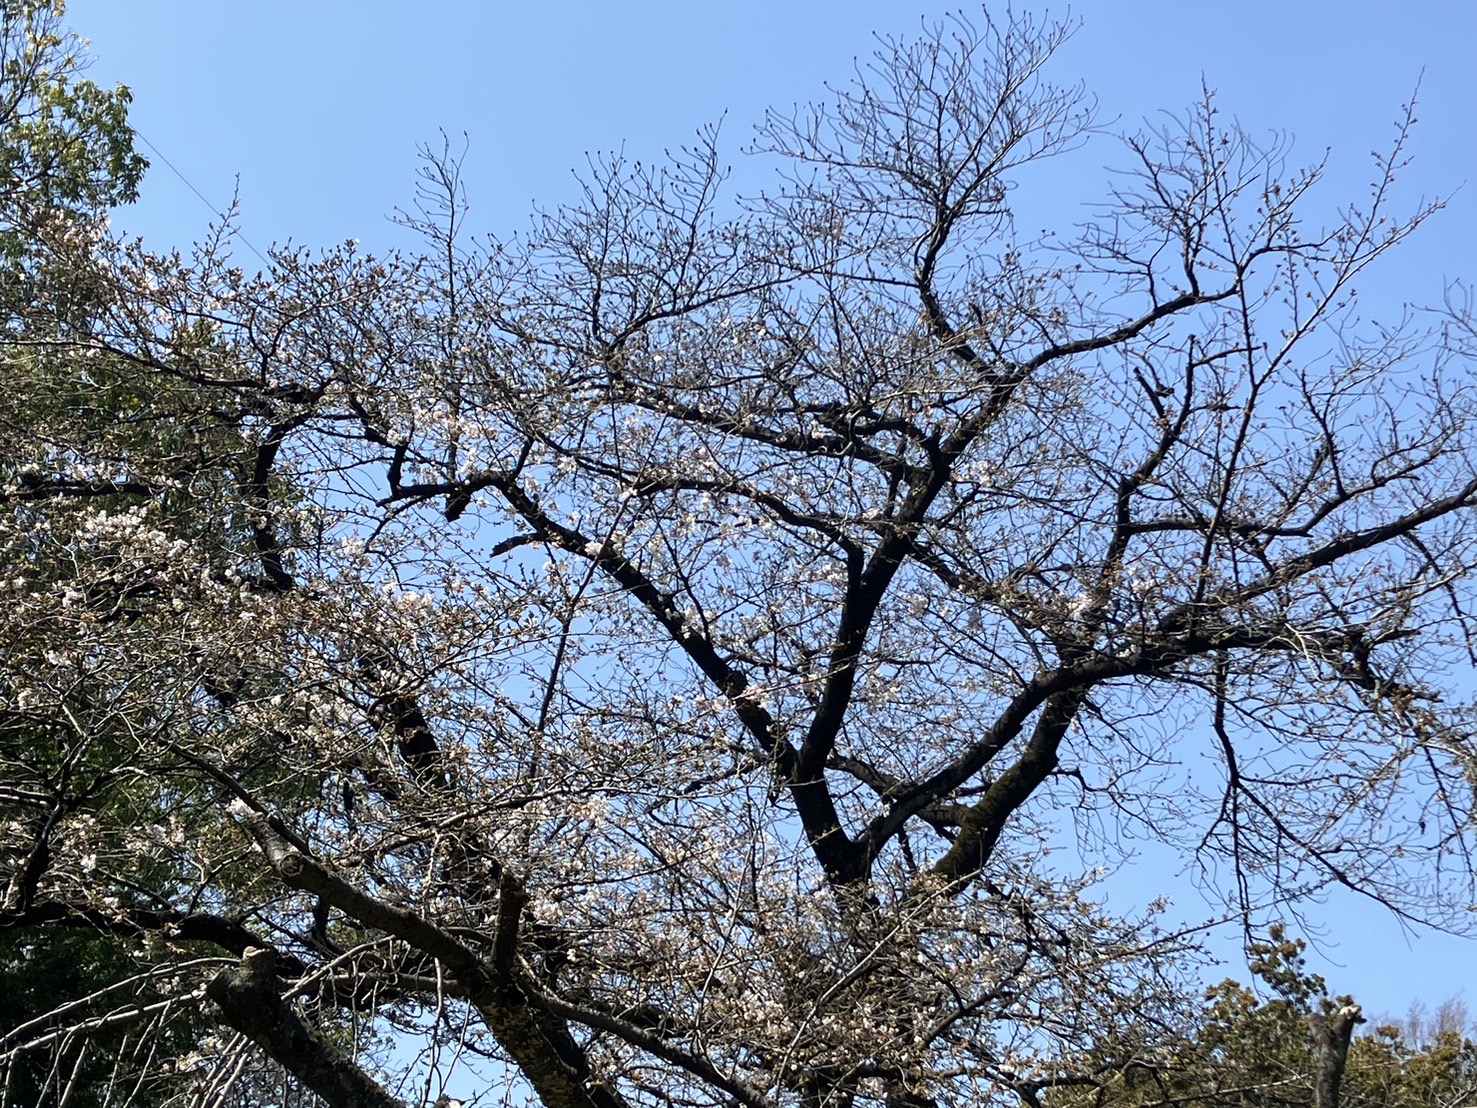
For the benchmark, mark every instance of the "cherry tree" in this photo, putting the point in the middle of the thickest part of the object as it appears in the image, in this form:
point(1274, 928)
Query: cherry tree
point(652, 660)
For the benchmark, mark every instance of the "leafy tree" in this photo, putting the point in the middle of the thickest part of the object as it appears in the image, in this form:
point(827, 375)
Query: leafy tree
point(66, 154)
point(66, 158)
point(68, 149)
point(649, 661)
point(1247, 1051)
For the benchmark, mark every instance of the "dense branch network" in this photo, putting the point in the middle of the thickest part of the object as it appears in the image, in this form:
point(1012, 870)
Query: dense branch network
point(653, 657)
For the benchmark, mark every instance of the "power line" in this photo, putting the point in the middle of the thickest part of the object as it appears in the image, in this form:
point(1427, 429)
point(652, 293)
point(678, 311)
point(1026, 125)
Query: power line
point(213, 209)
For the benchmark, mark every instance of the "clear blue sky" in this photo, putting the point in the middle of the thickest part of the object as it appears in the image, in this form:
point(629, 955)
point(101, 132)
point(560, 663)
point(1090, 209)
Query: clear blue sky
point(318, 106)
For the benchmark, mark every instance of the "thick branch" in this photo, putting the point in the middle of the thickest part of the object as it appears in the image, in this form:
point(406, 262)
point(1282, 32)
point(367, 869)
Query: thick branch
point(541, 1047)
point(843, 862)
point(144, 923)
point(250, 1003)
point(1331, 1035)
point(982, 825)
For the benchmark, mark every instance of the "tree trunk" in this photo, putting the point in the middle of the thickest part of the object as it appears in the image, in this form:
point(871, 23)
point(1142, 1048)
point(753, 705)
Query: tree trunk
point(1331, 1035)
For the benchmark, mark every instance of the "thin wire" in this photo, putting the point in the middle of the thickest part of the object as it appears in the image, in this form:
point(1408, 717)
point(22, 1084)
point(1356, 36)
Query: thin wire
point(213, 209)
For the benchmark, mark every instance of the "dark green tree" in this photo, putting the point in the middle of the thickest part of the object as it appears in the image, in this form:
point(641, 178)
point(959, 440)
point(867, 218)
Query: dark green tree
point(1284, 1043)
point(67, 158)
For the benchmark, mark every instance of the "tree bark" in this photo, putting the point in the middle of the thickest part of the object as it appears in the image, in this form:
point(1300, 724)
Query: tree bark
point(540, 1045)
point(1331, 1035)
point(250, 1003)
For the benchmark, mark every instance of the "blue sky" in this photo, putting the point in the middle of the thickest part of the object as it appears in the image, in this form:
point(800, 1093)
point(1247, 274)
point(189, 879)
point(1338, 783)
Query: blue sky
point(318, 107)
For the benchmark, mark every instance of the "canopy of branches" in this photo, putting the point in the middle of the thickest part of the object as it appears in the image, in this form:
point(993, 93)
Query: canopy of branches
point(646, 662)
